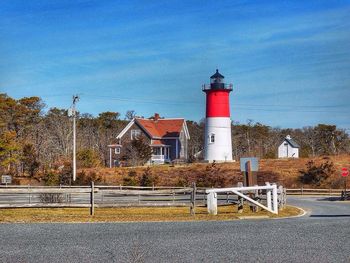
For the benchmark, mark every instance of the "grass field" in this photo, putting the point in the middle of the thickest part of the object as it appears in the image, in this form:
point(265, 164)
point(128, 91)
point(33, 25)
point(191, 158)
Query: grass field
point(282, 171)
point(76, 215)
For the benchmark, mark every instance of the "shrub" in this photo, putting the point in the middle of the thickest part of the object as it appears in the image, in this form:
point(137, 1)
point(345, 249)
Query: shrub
point(84, 178)
point(316, 174)
point(51, 179)
point(130, 179)
point(132, 173)
point(270, 155)
point(88, 158)
point(51, 198)
point(65, 174)
point(212, 177)
point(147, 179)
point(181, 182)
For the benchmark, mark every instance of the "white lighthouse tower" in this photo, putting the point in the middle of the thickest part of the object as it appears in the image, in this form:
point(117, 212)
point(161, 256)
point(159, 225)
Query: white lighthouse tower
point(217, 142)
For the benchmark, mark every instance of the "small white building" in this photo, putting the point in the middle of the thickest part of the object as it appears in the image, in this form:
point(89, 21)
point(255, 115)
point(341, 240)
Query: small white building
point(288, 148)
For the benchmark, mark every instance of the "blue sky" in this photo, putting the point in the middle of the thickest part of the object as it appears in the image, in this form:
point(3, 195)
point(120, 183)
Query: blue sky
point(289, 61)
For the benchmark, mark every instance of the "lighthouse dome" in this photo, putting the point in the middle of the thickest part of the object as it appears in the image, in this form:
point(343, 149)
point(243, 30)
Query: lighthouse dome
point(217, 81)
point(217, 75)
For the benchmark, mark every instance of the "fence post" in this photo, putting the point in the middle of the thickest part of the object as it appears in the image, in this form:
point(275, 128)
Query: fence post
point(193, 199)
point(92, 199)
point(268, 196)
point(212, 203)
point(240, 200)
point(280, 197)
point(275, 198)
point(284, 197)
point(255, 208)
point(30, 196)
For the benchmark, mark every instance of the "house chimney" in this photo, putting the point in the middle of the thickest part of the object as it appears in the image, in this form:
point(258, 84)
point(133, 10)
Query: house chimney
point(156, 117)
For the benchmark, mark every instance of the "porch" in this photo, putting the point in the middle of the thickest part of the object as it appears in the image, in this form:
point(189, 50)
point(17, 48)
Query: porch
point(161, 154)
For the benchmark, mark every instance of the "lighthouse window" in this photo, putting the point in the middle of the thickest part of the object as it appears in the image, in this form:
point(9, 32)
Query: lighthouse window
point(212, 138)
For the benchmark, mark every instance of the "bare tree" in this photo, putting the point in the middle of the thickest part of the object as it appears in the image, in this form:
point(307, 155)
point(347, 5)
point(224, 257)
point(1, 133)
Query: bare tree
point(129, 115)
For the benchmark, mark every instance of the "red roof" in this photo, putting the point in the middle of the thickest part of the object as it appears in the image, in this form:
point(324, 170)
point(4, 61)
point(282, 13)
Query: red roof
point(158, 143)
point(162, 127)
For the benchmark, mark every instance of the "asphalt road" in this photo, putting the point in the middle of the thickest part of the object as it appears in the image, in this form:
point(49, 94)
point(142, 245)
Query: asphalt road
point(322, 235)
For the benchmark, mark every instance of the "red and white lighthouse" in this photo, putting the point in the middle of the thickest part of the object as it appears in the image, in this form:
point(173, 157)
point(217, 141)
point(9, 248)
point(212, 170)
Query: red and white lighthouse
point(217, 142)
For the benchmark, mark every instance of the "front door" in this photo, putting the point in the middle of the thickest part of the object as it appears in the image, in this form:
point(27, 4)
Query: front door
point(285, 150)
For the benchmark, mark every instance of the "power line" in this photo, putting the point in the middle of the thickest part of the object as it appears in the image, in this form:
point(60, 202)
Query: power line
point(167, 102)
point(241, 106)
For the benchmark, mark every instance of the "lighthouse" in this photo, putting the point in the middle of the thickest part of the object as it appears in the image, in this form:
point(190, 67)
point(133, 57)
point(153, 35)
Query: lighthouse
point(217, 141)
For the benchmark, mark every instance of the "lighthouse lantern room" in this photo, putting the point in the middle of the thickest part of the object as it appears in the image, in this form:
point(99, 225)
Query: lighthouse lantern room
point(217, 143)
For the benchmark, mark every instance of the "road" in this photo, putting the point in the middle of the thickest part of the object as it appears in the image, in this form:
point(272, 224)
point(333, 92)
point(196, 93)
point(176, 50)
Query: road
point(322, 235)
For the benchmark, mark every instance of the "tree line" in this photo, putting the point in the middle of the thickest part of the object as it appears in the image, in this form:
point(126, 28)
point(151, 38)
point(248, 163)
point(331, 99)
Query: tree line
point(34, 141)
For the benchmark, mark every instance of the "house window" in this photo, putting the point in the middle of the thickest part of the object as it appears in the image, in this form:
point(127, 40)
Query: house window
point(135, 134)
point(117, 150)
point(212, 138)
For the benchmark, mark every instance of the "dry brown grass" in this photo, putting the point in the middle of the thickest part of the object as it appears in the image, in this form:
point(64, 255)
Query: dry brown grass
point(76, 215)
point(283, 171)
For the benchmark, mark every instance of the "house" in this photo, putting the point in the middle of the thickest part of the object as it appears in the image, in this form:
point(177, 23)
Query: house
point(168, 139)
point(288, 148)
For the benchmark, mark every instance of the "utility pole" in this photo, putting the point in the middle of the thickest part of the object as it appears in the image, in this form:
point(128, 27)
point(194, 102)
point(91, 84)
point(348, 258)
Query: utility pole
point(72, 113)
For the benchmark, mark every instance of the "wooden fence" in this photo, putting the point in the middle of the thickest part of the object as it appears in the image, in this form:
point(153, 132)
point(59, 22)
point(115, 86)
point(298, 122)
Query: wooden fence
point(113, 196)
point(309, 191)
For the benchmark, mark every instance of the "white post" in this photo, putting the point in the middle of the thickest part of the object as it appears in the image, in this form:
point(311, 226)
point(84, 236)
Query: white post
point(212, 203)
point(75, 99)
point(74, 150)
point(275, 198)
point(268, 197)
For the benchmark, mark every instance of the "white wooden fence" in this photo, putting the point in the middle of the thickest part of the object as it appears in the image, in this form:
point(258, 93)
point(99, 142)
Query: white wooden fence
point(246, 193)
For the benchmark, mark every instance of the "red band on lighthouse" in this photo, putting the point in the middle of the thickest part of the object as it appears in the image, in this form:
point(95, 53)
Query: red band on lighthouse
point(218, 104)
